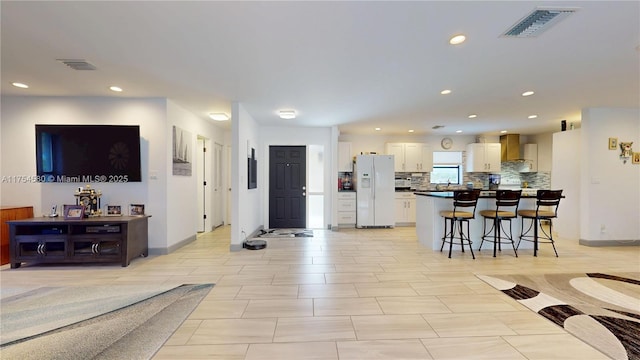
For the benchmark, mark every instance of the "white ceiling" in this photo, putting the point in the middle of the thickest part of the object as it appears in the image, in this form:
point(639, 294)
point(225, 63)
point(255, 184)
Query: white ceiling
point(357, 65)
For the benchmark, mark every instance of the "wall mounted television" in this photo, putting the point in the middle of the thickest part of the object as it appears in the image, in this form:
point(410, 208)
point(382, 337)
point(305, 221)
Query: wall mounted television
point(88, 153)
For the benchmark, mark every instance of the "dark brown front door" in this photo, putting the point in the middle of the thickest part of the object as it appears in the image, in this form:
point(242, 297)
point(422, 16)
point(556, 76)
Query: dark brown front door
point(287, 187)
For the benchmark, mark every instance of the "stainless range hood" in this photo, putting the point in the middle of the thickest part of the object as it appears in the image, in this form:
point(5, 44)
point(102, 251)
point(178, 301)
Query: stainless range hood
point(510, 147)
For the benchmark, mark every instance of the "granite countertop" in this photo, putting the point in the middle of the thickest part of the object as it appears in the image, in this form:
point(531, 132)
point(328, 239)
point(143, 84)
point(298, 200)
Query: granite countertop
point(484, 194)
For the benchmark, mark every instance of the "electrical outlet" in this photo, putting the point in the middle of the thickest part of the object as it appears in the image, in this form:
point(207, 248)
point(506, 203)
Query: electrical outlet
point(603, 229)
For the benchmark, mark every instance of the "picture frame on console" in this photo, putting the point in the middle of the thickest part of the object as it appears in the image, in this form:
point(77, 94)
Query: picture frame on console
point(136, 209)
point(113, 210)
point(73, 212)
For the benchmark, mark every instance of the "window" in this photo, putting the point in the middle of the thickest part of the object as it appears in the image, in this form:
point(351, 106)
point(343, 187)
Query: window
point(447, 167)
point(443, 174)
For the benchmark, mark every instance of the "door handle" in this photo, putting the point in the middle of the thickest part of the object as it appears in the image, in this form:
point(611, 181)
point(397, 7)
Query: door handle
point(304, 193)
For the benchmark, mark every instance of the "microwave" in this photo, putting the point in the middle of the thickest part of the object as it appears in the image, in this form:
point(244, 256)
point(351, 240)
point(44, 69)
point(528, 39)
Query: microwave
point(403, 183)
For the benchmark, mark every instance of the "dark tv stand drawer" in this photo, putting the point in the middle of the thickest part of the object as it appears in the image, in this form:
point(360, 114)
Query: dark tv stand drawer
point(92, 240)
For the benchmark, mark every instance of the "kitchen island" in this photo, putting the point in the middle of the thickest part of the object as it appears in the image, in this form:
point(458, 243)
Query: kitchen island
point(430, 225)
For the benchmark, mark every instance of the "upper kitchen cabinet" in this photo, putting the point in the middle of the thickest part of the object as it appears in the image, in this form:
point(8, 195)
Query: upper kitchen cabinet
point(483, 157)
point(411, 157)
point(529, 158)
point(345, 157)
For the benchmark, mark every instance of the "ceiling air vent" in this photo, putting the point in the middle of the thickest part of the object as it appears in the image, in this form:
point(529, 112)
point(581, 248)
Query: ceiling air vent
point(436, 127)
point(537, 22)
point(78, 64)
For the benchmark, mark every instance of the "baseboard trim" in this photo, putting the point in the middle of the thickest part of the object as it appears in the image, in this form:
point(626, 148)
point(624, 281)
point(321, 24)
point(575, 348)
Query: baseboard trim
point(172, 248)
point(597, 243)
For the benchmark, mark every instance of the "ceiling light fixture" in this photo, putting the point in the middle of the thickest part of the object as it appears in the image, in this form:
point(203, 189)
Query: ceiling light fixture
point(20, 85)
point(473, 116)
point(532, 116)
point(219, 116)
point(287, 114)
point(458, 39)
point(115, 88)
point(378, 129)
point(458, 131)
point(528, 93)
point(445, 92)
point(503, 132)
point(411, 130)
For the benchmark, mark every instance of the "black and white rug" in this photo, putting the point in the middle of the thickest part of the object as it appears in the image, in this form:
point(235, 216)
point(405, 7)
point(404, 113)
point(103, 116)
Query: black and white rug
point(93, 322)
point(285, 233)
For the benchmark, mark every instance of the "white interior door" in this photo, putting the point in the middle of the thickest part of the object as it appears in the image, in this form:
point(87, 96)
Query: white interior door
point(218, 205)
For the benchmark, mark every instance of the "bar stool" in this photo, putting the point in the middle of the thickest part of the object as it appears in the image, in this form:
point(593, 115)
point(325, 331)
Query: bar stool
point(547, 202)
point(456, 218)
point(506, 209)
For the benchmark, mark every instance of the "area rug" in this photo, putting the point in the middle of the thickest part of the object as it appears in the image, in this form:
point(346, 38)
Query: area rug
point(280, 233)
point(603, 310)
point(93, 322)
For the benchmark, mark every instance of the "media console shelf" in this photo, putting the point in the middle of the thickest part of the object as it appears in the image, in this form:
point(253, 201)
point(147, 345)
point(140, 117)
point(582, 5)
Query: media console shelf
point(91, 240)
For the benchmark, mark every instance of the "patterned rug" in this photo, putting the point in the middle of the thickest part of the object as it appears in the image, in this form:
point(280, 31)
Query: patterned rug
point(285, 233)
point(93, 322)
point(603, 310)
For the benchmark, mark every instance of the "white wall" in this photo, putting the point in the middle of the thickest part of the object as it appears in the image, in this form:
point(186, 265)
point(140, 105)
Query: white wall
point(565, 175)
point(19, 116)
point(545, 145)
point(610, 189)
point(247, 212)
point(182, 191)
point(376, 143)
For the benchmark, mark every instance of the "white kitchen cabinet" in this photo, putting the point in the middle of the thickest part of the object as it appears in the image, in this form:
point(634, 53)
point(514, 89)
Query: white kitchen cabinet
point(411, 157)
point(483, 157)
point(345, 157)
point(346, 208)
point(405, 203)
point(530, 156)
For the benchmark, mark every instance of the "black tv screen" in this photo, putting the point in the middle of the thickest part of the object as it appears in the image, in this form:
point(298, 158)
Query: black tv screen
point(88, 153)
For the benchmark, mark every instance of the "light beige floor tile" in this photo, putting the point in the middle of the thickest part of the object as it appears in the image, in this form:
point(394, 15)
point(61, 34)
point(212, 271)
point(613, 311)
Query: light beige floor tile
point(441, 288)
point(234, 331)
point(472, 348)
point(346, 306)
point(389, 327)
point(375, 259)
point(528, 323)
point(324, 260)
point(279, 308)
point(183, 332)
point(219, 309)
point(286, 279)
point(354, 268)
point(385, 289)
point(558, 346)
point(467, 324)
point(240, 279)
point(223, 292)
point(327, 291)
point(202, 352)
point(359, 277)
point(312, 269)
point(268, 292)
point(325, 328)
point(293, 351)
point(479, 303)
point(382, 350)
point(401, 276)
point(264, 269)
point(412, 305)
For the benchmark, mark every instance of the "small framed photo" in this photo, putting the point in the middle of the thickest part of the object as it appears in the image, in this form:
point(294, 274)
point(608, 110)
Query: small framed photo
point(635, 159)
point(136, 209)
point(73, 212)
point(113, 210)
point(613, 143)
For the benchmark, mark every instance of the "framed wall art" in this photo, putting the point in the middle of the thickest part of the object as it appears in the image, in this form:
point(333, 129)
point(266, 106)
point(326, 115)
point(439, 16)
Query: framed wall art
point(635, 159)
point(613, 143)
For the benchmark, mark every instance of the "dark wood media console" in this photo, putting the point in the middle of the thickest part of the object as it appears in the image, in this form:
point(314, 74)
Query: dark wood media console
point(91, 240)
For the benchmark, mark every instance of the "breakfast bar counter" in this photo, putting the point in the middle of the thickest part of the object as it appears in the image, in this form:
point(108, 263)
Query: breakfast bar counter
point(430, 225)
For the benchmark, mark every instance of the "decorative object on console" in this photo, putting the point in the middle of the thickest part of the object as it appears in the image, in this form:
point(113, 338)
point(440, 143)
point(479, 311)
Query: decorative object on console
point(89, 198)
point(613, 143)
point(73, 212)
point(113, 210)
point(136, 209)
point(625, 151)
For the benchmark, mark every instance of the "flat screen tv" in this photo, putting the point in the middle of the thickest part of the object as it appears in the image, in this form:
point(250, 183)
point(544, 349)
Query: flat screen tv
point(88, 153)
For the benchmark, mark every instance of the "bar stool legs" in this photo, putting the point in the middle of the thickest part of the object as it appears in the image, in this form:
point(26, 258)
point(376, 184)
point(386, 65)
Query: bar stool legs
point(449, 236)
point(496, 232)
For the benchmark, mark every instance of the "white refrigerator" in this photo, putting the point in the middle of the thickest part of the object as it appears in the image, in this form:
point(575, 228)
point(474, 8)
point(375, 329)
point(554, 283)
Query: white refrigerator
point(375, 191)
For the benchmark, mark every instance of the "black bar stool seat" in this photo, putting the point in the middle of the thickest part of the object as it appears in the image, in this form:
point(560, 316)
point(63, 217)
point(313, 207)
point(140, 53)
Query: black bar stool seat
point(464, 209)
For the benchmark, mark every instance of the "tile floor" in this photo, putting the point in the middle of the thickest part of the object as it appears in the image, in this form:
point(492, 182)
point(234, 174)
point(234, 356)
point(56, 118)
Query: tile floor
point(350, 294)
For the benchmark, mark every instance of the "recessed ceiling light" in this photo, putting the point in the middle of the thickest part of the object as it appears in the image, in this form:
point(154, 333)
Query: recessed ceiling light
point(458, 131)
point(20, 85)
point(473, 116)
point(503, 132)
point(378, 129)
point(458, 39)
point(287, 114)
point(532, 116)
point(445, 92)
point(527, 93)
point(411, 130)
point(115, 88)
point(219, 116)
